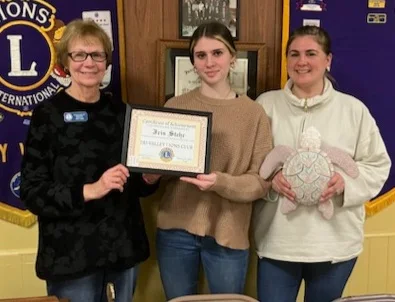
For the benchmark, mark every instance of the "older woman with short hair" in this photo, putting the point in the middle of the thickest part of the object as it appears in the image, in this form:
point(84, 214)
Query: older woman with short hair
point(91, 230)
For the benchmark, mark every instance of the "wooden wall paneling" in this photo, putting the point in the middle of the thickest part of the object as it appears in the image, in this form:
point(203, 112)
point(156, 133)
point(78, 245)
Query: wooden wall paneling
point(252, 20)
point(143, 27)
point(170, 19)
point(260, 22)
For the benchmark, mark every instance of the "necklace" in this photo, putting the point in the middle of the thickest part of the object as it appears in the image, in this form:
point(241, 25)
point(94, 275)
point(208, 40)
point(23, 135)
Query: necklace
point(219, 96)
point(227, 95)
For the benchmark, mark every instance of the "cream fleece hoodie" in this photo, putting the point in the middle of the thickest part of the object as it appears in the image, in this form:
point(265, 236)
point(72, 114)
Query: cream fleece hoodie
point(344, 122)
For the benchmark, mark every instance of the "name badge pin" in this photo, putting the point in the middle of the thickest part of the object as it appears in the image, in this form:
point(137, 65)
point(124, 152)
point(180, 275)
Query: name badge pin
point(75, 117)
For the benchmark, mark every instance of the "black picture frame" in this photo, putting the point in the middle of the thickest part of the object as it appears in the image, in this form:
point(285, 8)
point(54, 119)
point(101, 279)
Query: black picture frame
point(192, 13)
point(168, 50)
point(141, 119)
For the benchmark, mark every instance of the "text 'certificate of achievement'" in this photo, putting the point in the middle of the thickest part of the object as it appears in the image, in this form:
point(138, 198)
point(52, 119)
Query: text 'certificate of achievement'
point(167, 141)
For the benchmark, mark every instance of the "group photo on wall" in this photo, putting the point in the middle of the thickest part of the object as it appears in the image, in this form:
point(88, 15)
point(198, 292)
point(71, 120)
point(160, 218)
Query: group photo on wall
point(195, 12)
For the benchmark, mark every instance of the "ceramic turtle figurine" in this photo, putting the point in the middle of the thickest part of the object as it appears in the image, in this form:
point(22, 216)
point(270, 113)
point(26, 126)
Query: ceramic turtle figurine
point(308, 170)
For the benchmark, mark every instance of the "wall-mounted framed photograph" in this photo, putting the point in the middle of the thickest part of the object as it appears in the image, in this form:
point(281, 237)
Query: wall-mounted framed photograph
point(192, 13)
point(177, 75)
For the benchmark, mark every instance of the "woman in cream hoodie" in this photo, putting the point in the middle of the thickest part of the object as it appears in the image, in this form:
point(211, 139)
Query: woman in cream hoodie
point(302, 245)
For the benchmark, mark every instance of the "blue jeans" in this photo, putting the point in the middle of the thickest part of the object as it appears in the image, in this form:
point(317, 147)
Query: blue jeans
point(92, 288)
point(279, 281)
point(180, 254)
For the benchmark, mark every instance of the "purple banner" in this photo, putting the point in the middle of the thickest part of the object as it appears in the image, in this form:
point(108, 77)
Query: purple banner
point(29, 31)
point(363, 42)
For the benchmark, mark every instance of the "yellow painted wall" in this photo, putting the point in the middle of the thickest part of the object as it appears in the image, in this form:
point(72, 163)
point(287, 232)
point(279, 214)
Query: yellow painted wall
point(374, 272)
point(17, 257)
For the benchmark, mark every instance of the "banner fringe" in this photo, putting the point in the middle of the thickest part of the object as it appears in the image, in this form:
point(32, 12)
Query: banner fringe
point(284, 40)
point(380, 203)
point(16, 216)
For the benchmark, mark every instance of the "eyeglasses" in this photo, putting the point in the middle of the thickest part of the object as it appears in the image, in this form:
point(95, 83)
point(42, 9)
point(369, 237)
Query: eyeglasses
point(80, 56)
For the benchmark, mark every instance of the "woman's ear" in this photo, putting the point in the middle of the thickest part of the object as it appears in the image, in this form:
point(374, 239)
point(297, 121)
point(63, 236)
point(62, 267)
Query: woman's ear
point(233, 64)
point(329, 59)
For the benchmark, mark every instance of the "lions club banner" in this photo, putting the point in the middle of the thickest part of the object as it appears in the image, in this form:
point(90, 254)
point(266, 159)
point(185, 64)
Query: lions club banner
point(363, 44)
point(29, 31)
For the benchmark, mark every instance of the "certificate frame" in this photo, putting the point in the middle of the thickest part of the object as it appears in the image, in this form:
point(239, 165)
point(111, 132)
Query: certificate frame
point(166, 141)
point(170, 50)
point(193, 13)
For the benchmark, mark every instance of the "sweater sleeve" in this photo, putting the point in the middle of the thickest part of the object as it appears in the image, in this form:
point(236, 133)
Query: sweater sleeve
point(249, 186)
point(373, 163)
point(39, 192)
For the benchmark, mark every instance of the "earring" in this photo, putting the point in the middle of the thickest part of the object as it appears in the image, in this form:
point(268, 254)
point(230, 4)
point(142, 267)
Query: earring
point(328, 68)
point(194, 69)
point(66, 70)
point(232, 65)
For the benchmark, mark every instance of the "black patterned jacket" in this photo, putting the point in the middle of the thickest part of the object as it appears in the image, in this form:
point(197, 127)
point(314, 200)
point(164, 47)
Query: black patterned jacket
point(78, 238)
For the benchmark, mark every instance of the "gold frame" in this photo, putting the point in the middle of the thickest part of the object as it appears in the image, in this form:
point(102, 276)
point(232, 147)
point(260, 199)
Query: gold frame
point(164, 45)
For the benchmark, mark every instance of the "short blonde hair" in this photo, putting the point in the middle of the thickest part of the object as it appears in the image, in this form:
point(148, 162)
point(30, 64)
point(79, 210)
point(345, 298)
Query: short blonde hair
point(82, 29)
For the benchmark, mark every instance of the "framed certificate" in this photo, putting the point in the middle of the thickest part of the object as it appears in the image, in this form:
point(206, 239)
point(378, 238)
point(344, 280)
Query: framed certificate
point(186, 79)
point(167, 141)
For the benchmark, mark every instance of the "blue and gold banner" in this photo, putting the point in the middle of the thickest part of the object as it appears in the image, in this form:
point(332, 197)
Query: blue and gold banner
point(29, 31)
point(363, 44)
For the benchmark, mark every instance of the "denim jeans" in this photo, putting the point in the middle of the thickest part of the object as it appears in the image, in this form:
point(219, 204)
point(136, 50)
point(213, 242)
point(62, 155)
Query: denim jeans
point(92, 288)
point(279, 281)
point(180, 254)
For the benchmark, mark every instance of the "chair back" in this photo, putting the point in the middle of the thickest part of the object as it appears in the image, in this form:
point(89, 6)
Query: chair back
point(368, 298)
point(214, 298)
point(35, 299)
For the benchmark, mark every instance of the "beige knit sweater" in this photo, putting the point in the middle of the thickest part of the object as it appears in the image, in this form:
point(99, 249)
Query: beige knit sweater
point(241, 138)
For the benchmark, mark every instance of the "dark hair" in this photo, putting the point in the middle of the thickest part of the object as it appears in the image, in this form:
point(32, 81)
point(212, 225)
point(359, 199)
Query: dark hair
point(320, 35)
point(213, 30)
point(81, 29)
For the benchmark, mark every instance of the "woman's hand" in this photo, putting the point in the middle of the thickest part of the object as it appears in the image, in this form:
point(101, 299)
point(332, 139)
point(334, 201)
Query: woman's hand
point(203, 181)
point(151, 178)
point(335, 187)
point(281, 186)
point(112, 179)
